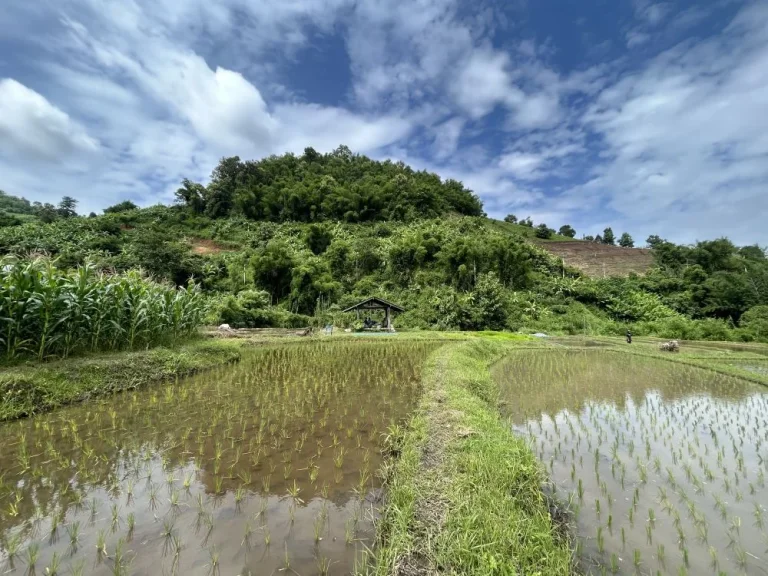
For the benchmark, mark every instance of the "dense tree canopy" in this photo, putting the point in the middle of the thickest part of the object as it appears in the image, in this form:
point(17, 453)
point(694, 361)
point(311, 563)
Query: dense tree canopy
point(315, 187)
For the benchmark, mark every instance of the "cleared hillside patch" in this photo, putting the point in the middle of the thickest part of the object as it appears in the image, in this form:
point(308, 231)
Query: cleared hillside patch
point(601, 260)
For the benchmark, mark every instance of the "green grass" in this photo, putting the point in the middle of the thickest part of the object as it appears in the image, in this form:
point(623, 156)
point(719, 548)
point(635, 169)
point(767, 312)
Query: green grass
point(39, 388)
point(465, 495)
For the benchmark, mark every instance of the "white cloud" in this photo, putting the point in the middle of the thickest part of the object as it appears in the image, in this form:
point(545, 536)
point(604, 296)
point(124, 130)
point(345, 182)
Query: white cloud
point(652, 13)
point(31, 126)
point(637, 38)
point(159, 110)
point(686, 137)
point(521, 165)
point(447, 137)
point(483, 82)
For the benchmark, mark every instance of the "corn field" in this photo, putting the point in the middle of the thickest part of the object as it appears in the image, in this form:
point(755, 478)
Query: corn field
point(46, 312)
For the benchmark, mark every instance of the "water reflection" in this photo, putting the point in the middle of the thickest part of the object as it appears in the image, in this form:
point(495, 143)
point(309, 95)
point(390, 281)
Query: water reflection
point(266, 465)
point(664, 463)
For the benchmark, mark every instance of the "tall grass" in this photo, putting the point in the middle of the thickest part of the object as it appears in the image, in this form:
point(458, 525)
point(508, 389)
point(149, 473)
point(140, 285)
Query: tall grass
point(46, 312)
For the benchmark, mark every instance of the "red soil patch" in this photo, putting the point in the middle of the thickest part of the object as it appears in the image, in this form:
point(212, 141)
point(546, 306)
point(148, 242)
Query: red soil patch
point(601, 260)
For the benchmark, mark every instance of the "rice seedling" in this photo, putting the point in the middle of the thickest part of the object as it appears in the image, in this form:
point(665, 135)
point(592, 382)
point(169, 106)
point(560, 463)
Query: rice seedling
point(220, 433)
point(30, 556)
point(607, 427)
point(52, 569)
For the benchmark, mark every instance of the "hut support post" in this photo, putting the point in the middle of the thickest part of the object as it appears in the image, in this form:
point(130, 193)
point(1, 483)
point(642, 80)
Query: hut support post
point(388, 320)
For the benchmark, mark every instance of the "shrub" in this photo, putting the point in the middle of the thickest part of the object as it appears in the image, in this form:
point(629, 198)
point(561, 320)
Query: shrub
point(543, 231)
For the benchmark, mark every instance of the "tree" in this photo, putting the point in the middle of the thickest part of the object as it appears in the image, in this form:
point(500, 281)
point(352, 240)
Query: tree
point(46, 212)
point(67, 207)
point(653, 241)
point(608, 237)
point(589, 238)
point(567, 230)
point(527, 222)
point(272, 269)
point(626, 241)
point(318, 238)
point(192, 195)
point(511, 218)
point(487, 311)
point(7, 219)
point(121, 207)
point(756, 321)
point(543, 231)
point(598, 239)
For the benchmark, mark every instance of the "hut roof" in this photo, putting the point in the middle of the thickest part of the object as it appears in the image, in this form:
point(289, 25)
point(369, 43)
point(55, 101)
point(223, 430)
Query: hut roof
point(374, 303)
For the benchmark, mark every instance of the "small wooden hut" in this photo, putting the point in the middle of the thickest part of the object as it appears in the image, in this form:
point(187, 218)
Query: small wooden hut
point(378, 304)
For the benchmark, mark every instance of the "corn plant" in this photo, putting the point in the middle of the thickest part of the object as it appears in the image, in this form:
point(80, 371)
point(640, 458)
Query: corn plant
point(46, 312)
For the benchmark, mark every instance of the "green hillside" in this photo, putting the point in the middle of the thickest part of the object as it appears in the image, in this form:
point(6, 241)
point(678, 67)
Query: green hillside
point(293, 240)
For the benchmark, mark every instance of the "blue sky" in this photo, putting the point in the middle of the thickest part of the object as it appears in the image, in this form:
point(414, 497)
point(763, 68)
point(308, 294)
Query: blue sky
point(651, 117)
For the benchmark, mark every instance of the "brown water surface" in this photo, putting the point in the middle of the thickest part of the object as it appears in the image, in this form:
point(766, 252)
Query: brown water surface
point(263, 467)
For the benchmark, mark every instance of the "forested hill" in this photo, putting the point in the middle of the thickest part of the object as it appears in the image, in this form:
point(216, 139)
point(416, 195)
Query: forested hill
point(314, 187)
point(294, 239)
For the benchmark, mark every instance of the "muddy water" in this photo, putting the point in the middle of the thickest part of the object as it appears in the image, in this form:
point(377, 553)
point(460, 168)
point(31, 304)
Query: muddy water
point(266, 466)
point(663, 465)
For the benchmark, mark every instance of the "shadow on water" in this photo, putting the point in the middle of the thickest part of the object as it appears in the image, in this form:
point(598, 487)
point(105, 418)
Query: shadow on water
point(266, 466)
point(663, 464)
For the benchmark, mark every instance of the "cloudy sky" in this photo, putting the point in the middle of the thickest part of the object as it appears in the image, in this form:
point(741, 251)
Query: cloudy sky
point(650, 117)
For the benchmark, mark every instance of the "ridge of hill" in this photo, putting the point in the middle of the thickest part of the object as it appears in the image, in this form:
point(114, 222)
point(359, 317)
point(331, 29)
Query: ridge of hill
point(291, 240)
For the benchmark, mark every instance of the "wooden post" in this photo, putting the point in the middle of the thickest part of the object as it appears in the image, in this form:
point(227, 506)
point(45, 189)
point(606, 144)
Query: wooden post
point(388, 322)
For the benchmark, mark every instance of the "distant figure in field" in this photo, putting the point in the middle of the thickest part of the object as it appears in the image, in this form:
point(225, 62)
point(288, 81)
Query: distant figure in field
point(629, 337)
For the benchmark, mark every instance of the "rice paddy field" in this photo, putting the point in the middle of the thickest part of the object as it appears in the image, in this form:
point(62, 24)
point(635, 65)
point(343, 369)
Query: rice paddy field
point(265, 467)
point(662, 465)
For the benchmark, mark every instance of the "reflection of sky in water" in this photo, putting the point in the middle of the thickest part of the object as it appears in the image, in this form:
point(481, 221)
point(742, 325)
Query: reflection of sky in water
point(677, 459)
point(207, 466)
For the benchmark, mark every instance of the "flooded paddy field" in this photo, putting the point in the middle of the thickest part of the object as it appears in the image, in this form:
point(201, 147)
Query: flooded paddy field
point(663, 465)
point(264, 467)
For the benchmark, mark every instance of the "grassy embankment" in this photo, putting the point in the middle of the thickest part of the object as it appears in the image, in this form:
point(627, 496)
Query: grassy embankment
point(35, 388)
point(725, 358)
point(465, 495)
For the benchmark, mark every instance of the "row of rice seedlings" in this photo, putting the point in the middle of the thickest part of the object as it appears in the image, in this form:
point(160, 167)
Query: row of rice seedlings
point(282, 443)
point(46, 311)
point(662, 479)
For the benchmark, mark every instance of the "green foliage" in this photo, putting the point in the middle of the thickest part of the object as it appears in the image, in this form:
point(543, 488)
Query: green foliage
point(489, 480)
point(33, 389)
point(626, 241)
point(47, 312)
point(7, 219)
point(15, 205)
point(121, 207)
point(608, 237)
point(67, 207)
point(543, 231)
point(511, 218)
point(315, 187)
point(318, 232)
point(755, 322)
